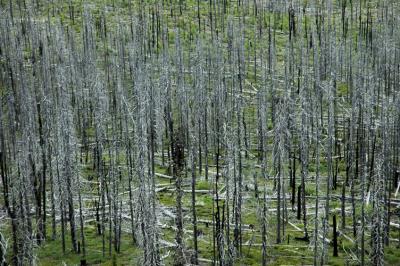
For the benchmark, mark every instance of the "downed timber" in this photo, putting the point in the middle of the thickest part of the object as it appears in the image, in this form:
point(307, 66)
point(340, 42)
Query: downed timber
point(199, 191)
point(205, 260)
point(345, 236)
point(246, 226)
point(167, 244)
point(168, 213)
point(164, 176)
point(275, 245)
point(395, 225)
point(300, 230)
point(295, 226)
point(164, 188)
point(84, 180)
point(397, 190)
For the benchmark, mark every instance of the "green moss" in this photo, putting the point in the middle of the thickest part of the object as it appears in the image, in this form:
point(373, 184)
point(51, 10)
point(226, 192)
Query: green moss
point(342, 89)
point(90, 132)
point(310, 189)
point(392, 255)
point(51, 252)
point(167, 199)
point(203, 185)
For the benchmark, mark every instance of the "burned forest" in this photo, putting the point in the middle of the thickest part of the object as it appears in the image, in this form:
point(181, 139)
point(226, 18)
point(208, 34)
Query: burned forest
point(199, 132)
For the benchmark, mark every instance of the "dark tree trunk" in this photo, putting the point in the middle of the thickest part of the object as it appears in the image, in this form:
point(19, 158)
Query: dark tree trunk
point(335, 243)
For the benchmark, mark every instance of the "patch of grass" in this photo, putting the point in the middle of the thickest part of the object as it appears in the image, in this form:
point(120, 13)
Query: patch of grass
point(392, 255)
point(310, 190)
point(342, 89)
point(203, 185)
point(51, 252)
point(167, 198)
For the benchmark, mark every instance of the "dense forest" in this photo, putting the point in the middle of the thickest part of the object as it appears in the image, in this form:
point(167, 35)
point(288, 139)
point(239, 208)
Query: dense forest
point(199, 132)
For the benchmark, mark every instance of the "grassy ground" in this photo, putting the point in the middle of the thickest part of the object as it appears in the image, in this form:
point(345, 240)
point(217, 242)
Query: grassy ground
point(51, 254)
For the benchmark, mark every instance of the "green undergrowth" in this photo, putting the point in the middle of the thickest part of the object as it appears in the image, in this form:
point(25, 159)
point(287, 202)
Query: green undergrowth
point(51, 252)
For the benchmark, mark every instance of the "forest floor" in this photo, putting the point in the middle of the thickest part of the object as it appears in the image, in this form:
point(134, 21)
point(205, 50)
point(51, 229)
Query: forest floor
point(292, 250)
